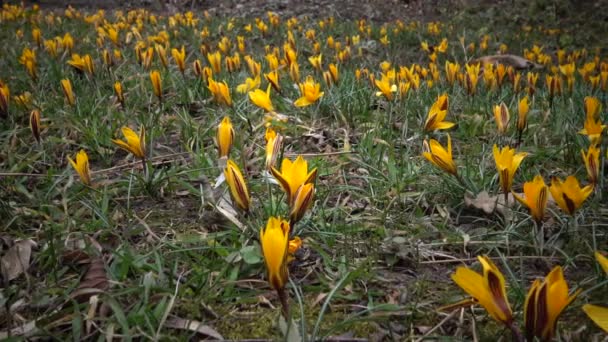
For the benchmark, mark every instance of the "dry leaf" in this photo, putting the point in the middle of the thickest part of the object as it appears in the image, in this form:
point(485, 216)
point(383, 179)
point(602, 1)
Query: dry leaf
point(17, 259)
point(94, 282)
point(488, 204)
point(192, 325)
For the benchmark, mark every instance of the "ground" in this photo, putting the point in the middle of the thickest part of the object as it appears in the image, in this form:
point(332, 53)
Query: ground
point(162, 251)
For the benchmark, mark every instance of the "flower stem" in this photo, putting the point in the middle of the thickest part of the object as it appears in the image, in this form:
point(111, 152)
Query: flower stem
point(284, 302)
point(516, 334)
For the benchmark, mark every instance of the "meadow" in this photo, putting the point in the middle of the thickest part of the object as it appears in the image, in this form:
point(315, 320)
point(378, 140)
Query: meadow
point(196, 176)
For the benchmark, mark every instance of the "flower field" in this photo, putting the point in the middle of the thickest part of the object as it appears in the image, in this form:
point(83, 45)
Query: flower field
point(197, 176)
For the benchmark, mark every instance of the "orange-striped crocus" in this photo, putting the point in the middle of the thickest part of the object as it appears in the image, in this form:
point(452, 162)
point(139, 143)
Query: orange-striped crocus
point(592, 163)
point(440, 156)
point(507, 163)
point(156, 84)
point(66, 86)
point(274, 142)
point(225, 137)
point(274, 239)
point(134, 144)
point(81, 166)
point(237, 185)
point(535, 197)
point(488, 289)
point(179, 56)
point(120, 96)
point(437, 114)
point(220, 92)
point(544, 304)
point(522, 114)
point(5, 96)
point(568, 194)
point(35, 124)
point(501, 116)
point(302, 201)
point(310, 92)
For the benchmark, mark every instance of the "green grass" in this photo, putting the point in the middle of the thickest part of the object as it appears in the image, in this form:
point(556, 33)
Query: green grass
point(386, 228)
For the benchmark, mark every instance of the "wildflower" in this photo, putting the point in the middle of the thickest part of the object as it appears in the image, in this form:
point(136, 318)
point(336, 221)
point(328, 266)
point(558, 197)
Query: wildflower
point(569, 195)
point(120, 96)
point(273, 147)
point(81, 165)
point(439, 156)
point(532, 78)
point(274, 239)
point(162, 54)
point(66, 86)
point(225, 137)
point(220, 91)
point(451, 71)
point(273, 78)
point(602, 260)
point(294, 72)
point(436, 115)
point(28, 59)
point(215, 60)
point(315, 61)
point(535, 199)
point(237, 185)
point(84, 64)
point(544, 303)
point(554, 85)
point(385, 87)
point(488, 289)
point(471, 77)
point(522, 114)
point(254, 67)
point(333, 71)
point(35, 124)
point(179, 56)
point(507, 163)
point(156, 84)
point(302, 201)
point(598, 314)
point(593, 129)
point(250, 84)
point(5, 96)
point(261, 99)
point(135, 144)
point(310, 91)
point(293, 175)
point(592, 163)
point(501, 116)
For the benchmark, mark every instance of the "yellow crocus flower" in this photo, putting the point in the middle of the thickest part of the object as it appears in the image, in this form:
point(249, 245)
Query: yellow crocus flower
point(5, 96)
point(215, 60)
point(439, 156)
point(535, 197)
point(507, 163)
point(437, 114)
point(310, 92)
point(385, 87)
point(335, 74)
point(273, 78)
point(593, 129)
point(315, 61)
point(569, 195)
point(544, 303)
point(451, 72)
point(156, 84)
point(501, 116)
point(220, 91)
point(35, 124)
point(120, 96)
point(598, 314)
point(274, 239)
point(488, 289)
point(302, 201)
point(261, 99)
point(179, 56)
point(249, 85)
point(471, 78)
point(522, 114)
point(593, 107)
point(592, 163)
point(273, 146)
point(237, 185)
point(81, 165)
point(66, 86)
point(293, 175)
point(225, 137)
point(135, 144)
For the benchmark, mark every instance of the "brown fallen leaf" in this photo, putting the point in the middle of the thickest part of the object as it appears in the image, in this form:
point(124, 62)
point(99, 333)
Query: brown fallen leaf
point(194, 326)
point(17, 259)
point(487, 203)
point(516, 62)
point(94, 282)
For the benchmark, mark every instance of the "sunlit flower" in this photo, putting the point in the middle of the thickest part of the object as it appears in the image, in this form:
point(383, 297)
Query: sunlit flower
point(302, 201)
point(273, 147)
point(261, 99)
point(274, 239)
point(249, 85)
point(593, 129)
point(437, 114)
point(120, 96)
point(237, 185)
point(385, 87)
point(66, 86)
point(501, 116)
point(84, 63)
point(220, 92)
point(554, 85)
point(507, 163)
point(439, 156)
point(5, 95)
point(532, 78)
point(273, 78)
point(225, 137)
point(135, 144)
point(598, 314)
point(544, 303)
point(535, 197)
point(35, 124)
point(522, 114)
point(293, 175)
point(592, 163)
point(28, 59)
point(471, 78)
point(310, 92)
point(294, 72)
point(81, 165)
point(156, 84)
point(215, 60)
point(315, 61)
point(179, 56)
point(488, 289)
point(333, 71)
point(451, 72)
point(569, 195)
